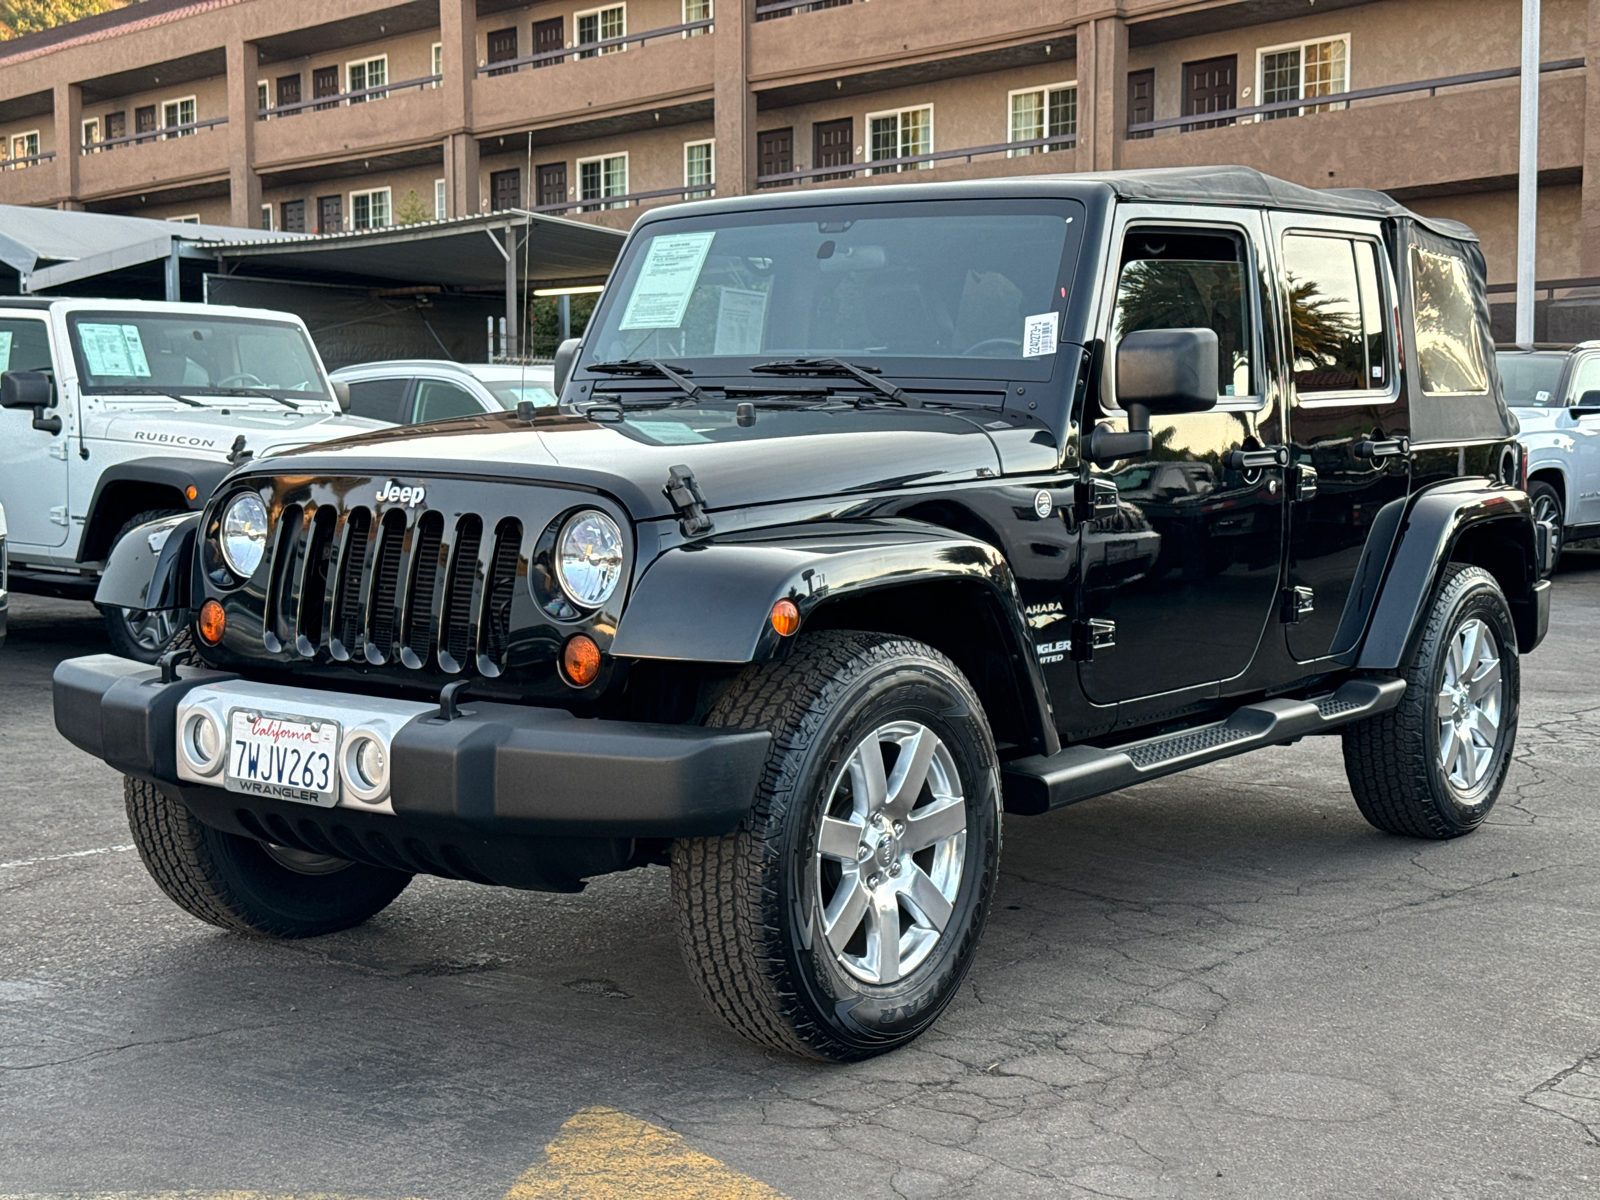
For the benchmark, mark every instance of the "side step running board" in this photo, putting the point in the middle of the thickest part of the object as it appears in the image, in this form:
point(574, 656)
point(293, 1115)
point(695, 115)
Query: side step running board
point(1037, 784)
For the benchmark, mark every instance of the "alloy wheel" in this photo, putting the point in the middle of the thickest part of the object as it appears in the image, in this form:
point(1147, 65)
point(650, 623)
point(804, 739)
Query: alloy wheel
point(1470, 703)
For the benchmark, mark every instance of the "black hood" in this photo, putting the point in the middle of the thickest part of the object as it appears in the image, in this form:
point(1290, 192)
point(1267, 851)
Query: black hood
point(788, 454)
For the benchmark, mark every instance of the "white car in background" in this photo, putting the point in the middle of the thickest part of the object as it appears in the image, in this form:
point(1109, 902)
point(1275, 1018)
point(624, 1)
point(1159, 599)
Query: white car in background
point(5, 596)
point(406, 391)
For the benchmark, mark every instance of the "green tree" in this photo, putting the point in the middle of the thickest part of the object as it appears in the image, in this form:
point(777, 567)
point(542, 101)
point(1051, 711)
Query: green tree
point(411, 209)
point(18, 17)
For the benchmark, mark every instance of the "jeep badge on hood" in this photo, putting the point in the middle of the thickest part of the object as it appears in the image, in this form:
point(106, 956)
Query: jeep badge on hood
point(408, 496)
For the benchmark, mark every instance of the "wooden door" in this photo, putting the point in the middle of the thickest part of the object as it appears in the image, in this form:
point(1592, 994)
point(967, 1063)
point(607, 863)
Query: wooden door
point(330, 214)
point(1141, 100)
point(505, 189)
point(324, 82)
point(116, 125)
point(502, 46)
point(289, 92)
point(144, 120)
point(1210, 86)
point(833, 145)
point(775, 154)
point(292, 216)
point(549, 35)
point(552, 183)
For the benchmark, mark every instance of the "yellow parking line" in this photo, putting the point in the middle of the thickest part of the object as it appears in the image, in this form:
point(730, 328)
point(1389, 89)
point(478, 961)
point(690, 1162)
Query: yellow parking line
point(603, 1154)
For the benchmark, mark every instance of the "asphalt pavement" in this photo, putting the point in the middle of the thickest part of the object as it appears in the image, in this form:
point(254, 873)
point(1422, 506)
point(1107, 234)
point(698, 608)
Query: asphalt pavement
point(1220, 984)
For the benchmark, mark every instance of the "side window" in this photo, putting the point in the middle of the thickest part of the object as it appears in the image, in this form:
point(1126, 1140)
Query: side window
point(1585, 379)
point(1337, 314)
point(24, 345)
point(1180, 279)
point(437, 400)
point(1449, 335)
point(380, 399)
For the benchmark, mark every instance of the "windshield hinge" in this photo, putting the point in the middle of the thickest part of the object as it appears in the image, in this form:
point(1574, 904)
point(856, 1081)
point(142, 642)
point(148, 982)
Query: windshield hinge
point(684, 494)
point(1096, 498)
point(1091, 635)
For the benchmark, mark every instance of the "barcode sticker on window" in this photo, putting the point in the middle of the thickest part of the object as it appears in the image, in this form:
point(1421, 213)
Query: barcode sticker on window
point(1039, 335)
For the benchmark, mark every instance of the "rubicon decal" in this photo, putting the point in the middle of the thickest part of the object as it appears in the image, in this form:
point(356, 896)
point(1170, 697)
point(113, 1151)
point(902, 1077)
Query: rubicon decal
point(394, 493)
point(173, 439)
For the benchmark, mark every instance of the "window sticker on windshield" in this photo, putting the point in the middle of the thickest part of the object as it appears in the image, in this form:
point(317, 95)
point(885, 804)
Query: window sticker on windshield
point(5, 349)
point(1039, 335)
point(1541, 397)
point(669, 433)
point(741, 317)
point(114, 350)
point(670, 271)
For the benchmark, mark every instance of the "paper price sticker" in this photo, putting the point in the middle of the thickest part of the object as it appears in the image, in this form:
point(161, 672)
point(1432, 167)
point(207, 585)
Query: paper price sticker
point(666, 281)
point(1039, 335)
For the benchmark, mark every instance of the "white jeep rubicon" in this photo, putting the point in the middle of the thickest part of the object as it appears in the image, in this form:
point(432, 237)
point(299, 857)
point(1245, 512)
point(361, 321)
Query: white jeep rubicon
point(116, 412)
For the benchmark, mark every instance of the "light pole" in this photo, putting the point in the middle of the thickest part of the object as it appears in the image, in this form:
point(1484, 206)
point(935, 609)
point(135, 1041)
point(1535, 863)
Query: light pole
point(1528, 173)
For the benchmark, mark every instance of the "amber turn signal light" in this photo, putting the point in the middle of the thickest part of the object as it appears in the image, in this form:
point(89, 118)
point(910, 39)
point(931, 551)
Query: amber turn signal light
point(580, 661)
point(212, 621)
point(785, 617)
point(191, 492)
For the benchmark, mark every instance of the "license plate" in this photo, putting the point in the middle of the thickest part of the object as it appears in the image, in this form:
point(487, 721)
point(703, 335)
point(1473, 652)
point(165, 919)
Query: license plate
point(283, 757)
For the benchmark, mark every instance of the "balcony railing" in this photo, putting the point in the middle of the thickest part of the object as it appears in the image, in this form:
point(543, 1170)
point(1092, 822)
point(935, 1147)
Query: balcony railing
point(1231, 116)
point(889, 166)
point(165, 133)
point(545, 58)
point(24, 161)
point(783, 8)
point(353, 96)
point(694, 191)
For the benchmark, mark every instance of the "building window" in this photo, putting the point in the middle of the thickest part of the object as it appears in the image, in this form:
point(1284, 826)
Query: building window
point(599, 178)
point(262, 102)
point(91, 135)
point(369, 210)
point(1300, 71)
point(25, 146)
point(598, 24)
point(364, 74)
point(1044, 112)
point(438, 62)
point(438, 200)
point(696, 10)
point(176, 114)
point(190, 219)
point(900, 135)
point(699, 168)
point(266, 216)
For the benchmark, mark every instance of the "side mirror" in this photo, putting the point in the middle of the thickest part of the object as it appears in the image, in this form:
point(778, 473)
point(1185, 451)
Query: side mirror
point(341, 393)
point(566, 359)
point(30, 389)
point(1588, 405)
point(1161, 372)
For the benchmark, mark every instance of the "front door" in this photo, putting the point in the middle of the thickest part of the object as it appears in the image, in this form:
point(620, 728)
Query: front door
point(833, 145)
point(552, 183)
point(1347, 420)
point(33, 462)
point(775, 154)
point(330, 214)
point(1210, 86)
point(144, 120)
point(505, 188)
point(292, 216)
point(1142, 100)
point(324, 82)
point(1186, 569)
point(547, 36)
point(502, 47)
point(289, 93)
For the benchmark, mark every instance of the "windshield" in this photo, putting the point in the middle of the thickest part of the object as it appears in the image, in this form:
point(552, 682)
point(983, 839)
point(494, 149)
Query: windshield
point(197, 354)
point(508, 394)
point(974, 285)
point(1530, 379)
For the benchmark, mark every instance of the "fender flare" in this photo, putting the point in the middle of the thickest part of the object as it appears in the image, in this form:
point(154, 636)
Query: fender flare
point(152, 568)
point(176, 475)
point(728, 586)
point(1435, 523)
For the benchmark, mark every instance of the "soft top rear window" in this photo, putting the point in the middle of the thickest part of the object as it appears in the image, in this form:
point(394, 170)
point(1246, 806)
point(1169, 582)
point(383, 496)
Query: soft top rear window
point(1450, 337)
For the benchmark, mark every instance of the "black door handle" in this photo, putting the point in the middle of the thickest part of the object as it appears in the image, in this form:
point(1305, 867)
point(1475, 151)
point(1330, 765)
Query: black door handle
point(1385, 448)
point(1255, 460)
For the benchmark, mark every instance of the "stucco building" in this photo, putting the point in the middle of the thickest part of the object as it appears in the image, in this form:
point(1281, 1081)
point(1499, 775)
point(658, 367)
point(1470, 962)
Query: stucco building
point(351, 113)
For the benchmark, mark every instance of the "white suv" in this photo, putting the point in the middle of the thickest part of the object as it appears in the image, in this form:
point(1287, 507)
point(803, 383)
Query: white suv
point(115, 412)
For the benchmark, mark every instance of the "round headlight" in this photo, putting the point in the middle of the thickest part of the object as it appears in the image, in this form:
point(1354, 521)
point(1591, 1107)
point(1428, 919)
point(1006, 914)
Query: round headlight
point(244, 534)
point(589, 558)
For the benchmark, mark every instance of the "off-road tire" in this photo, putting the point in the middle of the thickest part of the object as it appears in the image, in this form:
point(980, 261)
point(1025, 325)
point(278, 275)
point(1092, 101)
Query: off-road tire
point(235, 883)
point(118, 631)
point(742, 899)
point(1547, 501)
point(1392, 760)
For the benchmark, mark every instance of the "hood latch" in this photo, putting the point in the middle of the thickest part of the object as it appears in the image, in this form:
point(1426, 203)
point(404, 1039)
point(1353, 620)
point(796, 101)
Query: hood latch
point(687, 501)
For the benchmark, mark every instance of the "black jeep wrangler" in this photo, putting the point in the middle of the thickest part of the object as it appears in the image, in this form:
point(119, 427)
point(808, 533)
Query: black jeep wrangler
point(867, 514)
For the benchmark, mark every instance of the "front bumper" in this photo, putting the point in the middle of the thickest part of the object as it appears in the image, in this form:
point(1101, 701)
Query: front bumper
point(503, 793)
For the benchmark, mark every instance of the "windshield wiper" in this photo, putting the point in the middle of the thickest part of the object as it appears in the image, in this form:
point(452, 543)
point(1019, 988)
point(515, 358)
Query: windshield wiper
point(837, 366)
point(169, 393)
point(650, 366)
point(237, 391)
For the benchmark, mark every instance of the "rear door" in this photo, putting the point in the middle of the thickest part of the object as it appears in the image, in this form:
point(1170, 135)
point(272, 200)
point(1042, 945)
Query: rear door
point(1583, 504)
point(33, 462)
point(1348, 421)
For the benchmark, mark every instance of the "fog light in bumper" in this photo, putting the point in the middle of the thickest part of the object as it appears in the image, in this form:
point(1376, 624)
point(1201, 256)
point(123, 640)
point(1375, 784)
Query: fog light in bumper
point(364, 767)
point(202, 743)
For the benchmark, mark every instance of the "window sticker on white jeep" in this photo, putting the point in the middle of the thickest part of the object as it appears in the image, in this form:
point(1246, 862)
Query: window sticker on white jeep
point(669, 433)
point(666, 280)
point(741, 318)
point(114, 350)
point(1039, 335)
point(5, 349)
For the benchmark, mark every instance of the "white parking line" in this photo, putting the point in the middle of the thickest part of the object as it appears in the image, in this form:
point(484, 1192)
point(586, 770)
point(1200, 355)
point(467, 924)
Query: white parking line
point(33, 862)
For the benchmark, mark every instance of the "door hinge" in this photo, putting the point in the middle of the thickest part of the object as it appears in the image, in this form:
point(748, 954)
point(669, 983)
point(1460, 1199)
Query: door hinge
point(1096, 498)
point(1091, 635)
point(1302, 482)
point(58, 450)
point(684, 495)
point(58, 514)
point(1298, 603)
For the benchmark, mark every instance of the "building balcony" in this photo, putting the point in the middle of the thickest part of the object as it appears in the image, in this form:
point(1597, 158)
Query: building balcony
point(30, 181)
point(371, 121)
point(180, 155)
